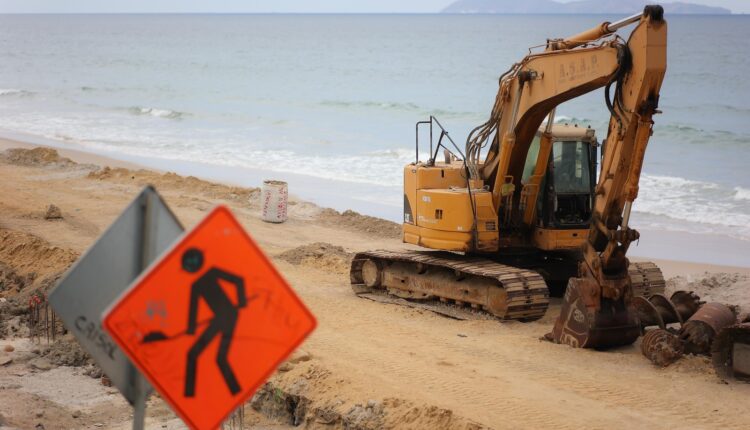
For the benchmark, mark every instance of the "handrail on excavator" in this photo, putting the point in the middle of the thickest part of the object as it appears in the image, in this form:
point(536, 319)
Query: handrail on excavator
point(443, 133)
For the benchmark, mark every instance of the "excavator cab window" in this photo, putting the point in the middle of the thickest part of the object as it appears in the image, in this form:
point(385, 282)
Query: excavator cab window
point(569, 185)
point(571, 167)
point(531, 157)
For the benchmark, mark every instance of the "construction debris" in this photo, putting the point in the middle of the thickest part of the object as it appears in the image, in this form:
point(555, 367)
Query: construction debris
point(658, 310)
point(704, 328)
point(699, 331)
point(662, 347)
point(731, 353)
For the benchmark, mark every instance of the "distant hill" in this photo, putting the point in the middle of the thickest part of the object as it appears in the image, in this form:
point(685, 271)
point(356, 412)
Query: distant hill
point(577, 7)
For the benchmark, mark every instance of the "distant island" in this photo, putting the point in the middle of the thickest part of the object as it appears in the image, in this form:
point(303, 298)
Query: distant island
point(576, 7)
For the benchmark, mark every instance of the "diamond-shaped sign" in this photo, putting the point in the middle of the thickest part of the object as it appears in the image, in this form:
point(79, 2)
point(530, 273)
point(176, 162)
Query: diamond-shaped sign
point(210, 322)
point(145, 229)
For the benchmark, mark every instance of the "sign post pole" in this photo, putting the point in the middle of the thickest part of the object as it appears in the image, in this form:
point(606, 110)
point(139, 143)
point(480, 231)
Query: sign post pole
point(140, 395)
point(148, 254)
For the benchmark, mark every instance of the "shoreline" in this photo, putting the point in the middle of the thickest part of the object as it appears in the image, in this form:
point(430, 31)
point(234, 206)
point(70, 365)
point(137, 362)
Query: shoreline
point(378, 201)
point(672, 248)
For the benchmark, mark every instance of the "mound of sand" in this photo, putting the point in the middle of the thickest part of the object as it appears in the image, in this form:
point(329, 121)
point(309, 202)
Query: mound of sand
point(30, 263)
point(727, 288)
point(35, 157)
point(319, 255)
point(355, 221)
point(189, 184)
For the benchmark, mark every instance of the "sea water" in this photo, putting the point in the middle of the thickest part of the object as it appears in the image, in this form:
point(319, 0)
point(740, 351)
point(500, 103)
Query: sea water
point(329, 102)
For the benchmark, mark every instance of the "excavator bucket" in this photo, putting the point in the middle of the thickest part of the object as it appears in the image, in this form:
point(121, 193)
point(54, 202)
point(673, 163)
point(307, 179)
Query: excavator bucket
point(588, 321)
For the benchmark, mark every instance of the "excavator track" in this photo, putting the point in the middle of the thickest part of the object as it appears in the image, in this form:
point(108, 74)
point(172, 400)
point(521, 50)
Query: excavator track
point(505, 292)
point(646, 279)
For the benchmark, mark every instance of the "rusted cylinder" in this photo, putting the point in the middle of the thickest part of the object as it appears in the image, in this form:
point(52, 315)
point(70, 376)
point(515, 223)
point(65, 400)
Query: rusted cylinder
point(661, 347)
point(687, 303)
point(730, 353)
point(701, 329)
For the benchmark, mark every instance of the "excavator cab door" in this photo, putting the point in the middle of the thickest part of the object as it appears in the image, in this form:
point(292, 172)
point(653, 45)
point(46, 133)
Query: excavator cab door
point(569, 185)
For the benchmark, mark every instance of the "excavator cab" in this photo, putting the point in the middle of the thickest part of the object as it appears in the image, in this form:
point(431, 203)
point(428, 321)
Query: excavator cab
point(558, 187)
point(565, 200)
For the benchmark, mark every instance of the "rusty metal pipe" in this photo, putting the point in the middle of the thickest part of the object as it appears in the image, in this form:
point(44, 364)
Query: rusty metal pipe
point(661, 347)
point(700, 330)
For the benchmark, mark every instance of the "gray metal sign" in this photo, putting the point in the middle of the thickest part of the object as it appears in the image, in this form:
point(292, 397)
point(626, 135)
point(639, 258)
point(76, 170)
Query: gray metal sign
point(139, 235)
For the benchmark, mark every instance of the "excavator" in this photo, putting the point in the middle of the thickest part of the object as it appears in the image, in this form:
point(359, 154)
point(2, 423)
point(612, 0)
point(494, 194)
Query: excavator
point(520, 213)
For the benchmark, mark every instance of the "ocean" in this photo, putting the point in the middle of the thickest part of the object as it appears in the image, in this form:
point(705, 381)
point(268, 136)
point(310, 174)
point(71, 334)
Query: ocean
point(329, 102)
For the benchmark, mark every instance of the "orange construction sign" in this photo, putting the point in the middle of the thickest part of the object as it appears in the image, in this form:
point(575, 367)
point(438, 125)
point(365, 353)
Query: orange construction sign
point(210, 321)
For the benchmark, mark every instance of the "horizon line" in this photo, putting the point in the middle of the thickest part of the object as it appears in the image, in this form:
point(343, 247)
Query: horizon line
point(354, 13)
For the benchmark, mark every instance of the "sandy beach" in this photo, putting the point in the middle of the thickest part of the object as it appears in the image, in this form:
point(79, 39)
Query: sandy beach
point(368, 365)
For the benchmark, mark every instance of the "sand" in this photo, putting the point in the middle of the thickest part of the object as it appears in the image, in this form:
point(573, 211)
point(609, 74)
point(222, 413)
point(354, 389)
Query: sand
point(368, 365)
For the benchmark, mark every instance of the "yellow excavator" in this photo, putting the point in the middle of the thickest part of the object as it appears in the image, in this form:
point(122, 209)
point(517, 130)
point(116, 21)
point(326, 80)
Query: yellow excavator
point(519, 213)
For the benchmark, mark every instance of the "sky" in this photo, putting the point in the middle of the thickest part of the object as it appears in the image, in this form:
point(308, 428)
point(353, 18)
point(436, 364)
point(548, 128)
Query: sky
point(261, 6)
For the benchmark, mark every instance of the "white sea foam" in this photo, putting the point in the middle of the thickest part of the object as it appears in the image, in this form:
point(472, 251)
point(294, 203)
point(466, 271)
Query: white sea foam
point(565, 119)
point(741, 193)
point(12, 92)
point(705, 203)
point(159, 113)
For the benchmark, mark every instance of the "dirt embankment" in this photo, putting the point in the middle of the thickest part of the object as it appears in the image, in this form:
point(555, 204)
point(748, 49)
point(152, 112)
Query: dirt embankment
point(28, 266)
point(35, 157)
point(192, 188)
point(188, 184)
point(29, 263)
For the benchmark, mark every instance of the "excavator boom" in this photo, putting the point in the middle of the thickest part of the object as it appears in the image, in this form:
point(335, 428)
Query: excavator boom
point(597, 311)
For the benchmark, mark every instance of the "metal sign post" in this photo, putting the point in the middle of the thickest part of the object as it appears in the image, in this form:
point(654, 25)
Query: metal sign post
point(145, 229)
point(148, 253)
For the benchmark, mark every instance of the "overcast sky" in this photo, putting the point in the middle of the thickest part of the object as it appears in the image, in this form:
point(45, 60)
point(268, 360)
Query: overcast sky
point(250, 6)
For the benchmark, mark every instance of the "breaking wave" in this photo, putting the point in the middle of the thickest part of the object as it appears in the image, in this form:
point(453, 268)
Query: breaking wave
point(705, 203)
point(564, 119)
point(13, 92)
point(159, 113)
point(741, 193)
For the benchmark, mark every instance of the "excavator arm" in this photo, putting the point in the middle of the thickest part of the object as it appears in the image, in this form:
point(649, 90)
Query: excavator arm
point(597, 311)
